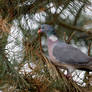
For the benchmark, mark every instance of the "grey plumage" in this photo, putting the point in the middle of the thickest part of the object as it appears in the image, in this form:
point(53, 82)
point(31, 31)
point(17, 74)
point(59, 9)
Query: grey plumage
point(72, 56)
point(69, 54)
point(65, 55)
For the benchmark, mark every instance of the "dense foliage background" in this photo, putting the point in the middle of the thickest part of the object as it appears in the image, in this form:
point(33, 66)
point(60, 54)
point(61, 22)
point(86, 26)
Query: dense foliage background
point(24, 66)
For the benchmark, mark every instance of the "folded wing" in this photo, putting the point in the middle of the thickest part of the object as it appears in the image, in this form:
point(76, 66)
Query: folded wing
point(70, 55)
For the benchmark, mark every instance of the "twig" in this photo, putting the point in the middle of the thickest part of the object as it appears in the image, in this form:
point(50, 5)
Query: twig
point(89, 48)
point(72, 28)
point(78, 14)
point(87, 73)
point(40, 43)
point(72, 82)
point(69, 38)
point(58, 70)
point(65, 36)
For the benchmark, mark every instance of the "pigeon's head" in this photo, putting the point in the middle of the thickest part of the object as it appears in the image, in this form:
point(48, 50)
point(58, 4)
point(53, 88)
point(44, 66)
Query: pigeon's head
point(47, 29)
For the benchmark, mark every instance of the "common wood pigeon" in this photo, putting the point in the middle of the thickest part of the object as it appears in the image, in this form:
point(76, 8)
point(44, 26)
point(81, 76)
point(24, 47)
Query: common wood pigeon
point(63, 54)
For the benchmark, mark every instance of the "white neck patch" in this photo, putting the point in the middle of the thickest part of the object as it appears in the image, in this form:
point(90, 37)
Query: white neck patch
point(53, 38)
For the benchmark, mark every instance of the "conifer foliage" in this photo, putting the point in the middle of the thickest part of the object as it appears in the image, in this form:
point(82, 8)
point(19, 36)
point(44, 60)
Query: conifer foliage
point(24, 62)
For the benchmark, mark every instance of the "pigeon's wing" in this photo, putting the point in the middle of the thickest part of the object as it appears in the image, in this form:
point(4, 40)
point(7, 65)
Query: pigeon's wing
point(69, 55)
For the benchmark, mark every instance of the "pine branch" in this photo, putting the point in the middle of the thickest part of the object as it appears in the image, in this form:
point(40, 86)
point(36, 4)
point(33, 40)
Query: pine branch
point(72, 28)
point(78, 14)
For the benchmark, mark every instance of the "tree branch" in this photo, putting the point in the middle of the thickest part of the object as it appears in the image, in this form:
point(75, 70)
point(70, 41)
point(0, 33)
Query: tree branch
point(78, 14)
point(71, 27)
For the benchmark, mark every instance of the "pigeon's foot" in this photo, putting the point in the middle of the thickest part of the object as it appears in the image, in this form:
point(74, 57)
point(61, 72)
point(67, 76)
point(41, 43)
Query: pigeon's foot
point(68, 76)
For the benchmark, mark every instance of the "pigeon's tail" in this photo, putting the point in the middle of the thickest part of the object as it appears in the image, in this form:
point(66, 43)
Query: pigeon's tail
point(88, 69)
point(90, 62)
point(87, 66)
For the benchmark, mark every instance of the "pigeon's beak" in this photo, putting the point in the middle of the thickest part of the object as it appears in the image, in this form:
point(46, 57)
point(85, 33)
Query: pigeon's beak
point(39, 31)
